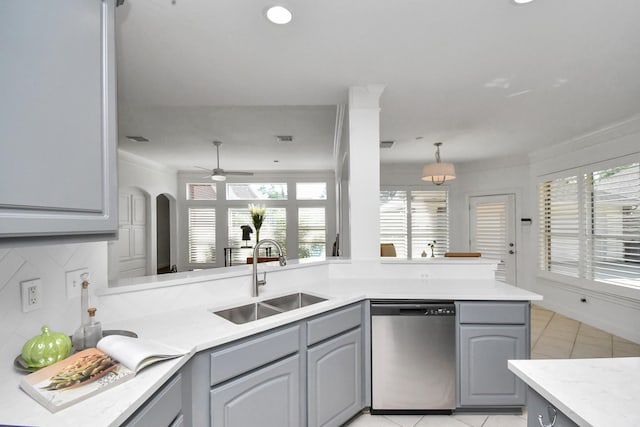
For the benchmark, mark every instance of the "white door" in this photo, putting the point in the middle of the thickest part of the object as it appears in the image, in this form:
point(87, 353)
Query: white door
point(492, 232)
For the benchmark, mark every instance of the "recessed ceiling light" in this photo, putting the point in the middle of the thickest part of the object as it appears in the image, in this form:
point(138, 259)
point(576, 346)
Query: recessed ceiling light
point(522, 1)
point(279, 15)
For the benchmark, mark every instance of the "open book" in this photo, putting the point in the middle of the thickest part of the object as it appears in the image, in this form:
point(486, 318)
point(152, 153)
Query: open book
point(116, 359)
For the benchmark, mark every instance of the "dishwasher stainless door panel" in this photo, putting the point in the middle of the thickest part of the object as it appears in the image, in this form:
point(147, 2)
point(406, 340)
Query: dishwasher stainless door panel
point(413, 359)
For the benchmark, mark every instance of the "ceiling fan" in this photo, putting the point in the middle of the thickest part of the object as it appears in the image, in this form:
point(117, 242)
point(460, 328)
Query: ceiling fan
point(219, 174)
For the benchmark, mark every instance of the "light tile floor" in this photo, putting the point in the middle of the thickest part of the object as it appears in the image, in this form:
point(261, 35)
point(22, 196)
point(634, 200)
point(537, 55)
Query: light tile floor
point(553, 336)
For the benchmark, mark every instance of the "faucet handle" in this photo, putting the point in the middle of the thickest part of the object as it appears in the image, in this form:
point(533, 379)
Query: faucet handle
point(264, 279)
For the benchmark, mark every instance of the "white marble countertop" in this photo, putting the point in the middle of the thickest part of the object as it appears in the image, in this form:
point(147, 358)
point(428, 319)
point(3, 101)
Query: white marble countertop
point(591, 392)
point(194, 329)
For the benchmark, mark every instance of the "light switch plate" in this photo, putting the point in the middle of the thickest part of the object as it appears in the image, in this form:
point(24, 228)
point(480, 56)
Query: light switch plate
point(74, 282)
point(31, 291)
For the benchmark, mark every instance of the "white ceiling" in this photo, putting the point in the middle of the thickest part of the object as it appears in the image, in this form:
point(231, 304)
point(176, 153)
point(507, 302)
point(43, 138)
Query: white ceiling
point(488, 78)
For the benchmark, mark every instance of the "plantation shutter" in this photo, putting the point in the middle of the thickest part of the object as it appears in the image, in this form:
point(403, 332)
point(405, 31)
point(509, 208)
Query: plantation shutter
point(614, 232)
point(312, 232)
point(490, 233)
point(273, 227)
point(559, 226)
point(429, 222)
point(202, 236)
point(393, 220)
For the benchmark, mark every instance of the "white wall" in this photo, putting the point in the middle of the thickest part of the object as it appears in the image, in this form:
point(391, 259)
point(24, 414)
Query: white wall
point(49, 263)
point(152, 179)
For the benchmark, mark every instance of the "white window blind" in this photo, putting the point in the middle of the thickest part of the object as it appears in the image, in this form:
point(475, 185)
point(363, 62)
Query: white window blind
point(491, 233)
point(560, 227)
point(429, 222)
point(590, 225)
point(614, 246)
point(413, 219)
point(312, 232)
point(394, 220)
point(202, 236)
point(273, 227)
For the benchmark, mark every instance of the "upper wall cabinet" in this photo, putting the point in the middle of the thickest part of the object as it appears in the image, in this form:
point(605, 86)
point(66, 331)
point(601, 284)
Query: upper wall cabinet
point(57, 119)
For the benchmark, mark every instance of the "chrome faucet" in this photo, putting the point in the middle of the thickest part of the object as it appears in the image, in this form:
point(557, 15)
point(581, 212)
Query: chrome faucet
point(281, 259)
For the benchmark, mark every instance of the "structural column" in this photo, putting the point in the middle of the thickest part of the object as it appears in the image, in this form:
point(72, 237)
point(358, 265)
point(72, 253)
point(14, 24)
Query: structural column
point(364, 171)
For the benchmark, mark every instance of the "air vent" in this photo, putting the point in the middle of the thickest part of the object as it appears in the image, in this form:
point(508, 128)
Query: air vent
point(386, 144)
point(282, 139)
point(137, 138)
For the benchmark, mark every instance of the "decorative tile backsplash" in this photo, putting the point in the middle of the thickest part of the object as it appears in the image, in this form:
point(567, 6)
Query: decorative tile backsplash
point(49, 263)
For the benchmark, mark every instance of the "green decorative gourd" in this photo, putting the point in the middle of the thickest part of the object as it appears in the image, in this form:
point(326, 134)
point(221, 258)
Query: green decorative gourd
point(43, 350)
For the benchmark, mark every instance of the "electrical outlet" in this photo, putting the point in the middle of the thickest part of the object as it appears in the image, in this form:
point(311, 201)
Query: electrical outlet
point(31, 295)
point(74, 282)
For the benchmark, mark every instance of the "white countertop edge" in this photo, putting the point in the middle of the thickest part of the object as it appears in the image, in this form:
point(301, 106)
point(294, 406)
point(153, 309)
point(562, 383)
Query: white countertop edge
point(514, 366)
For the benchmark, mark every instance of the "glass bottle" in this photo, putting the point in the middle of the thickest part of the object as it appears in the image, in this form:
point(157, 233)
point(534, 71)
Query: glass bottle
point(92, 331)
point(84, 300)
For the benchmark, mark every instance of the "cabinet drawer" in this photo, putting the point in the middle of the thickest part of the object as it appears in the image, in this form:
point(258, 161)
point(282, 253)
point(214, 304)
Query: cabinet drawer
point(333, 323)
point(253, 353)
point(163, 409)
point(505, 313)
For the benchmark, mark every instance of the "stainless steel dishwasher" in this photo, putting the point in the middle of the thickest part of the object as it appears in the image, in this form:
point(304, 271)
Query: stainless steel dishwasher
point(413, 360)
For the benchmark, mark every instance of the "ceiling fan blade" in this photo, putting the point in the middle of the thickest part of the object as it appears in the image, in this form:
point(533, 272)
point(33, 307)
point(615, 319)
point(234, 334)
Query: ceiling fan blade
point(238, 173)
point(205, 169)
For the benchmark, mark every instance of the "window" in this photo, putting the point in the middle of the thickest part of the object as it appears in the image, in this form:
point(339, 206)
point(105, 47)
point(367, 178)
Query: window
point(590, 225)
point(213, 214)
point(256, 191)
point(312, 232)
point(412, 219)
point(201, 192)
point(202, 236)
point(274, 227)
point(311, 191)
point(560, 245)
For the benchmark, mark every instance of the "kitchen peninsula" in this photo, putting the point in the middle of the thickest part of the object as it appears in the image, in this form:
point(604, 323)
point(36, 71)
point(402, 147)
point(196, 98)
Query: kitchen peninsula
point(178, 312)
point(583, 392)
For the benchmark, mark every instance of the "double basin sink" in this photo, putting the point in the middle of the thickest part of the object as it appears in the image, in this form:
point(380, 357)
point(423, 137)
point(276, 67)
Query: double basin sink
point(261, 309)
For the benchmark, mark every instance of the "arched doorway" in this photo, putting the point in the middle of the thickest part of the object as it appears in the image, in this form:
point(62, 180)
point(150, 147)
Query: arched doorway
point(163, 234)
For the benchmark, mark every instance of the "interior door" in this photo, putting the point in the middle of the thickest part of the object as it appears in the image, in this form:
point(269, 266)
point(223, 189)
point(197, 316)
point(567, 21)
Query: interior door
point(492, 232)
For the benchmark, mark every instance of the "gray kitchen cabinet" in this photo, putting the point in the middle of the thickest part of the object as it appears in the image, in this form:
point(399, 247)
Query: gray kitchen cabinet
point(267, 397)
point(335, 367)
point(256, 381)
point(538, 405)
point(163, 409)
point(489, 334)
point(57, 120)
point(335, 380)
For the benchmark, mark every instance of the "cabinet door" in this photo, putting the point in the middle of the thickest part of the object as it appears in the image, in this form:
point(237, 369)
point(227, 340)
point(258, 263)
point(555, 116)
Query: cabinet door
point(57, 118)
point(484, 377)
point(335, 380)
point(164, 409)
point(268, 397)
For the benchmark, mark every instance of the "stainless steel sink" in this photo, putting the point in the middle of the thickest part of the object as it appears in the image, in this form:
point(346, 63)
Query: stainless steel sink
point(247, 313)
point(261, 309)
point(293, 301)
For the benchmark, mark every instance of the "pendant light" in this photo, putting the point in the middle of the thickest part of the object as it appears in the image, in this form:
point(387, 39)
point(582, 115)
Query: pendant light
point(438, 172)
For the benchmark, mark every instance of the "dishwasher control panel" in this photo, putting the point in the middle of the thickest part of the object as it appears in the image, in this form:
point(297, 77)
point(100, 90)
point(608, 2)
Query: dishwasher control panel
point(440, 311)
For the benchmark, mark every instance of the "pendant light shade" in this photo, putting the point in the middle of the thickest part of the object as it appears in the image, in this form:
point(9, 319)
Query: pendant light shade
point(438, 172)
